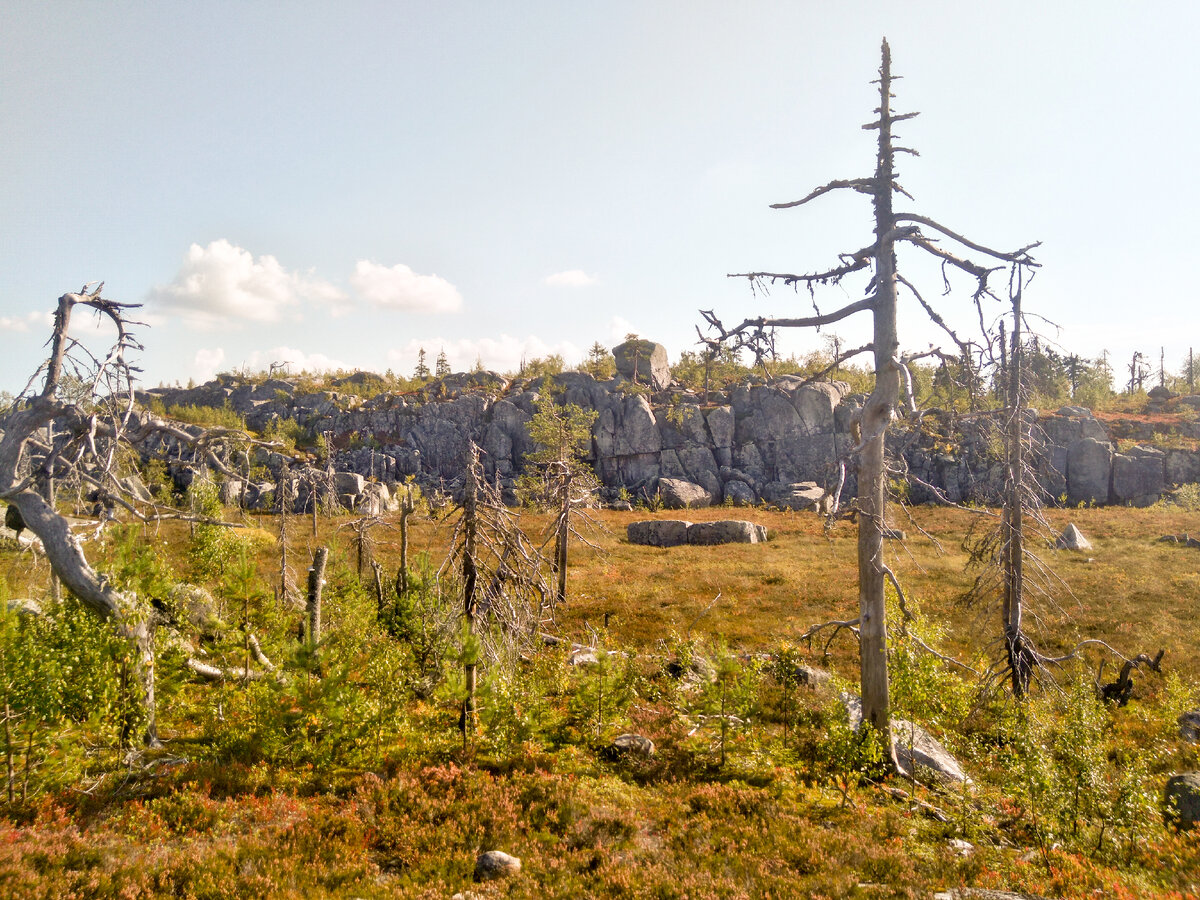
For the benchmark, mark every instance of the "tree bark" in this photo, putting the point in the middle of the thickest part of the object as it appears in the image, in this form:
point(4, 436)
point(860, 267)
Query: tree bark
point(316, 584)
point(1012, 548)
point(877, 414)
point(470, 576)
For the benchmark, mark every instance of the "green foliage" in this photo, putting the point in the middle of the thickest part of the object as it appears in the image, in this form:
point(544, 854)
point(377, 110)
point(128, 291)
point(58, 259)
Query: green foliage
point(208, 416)
point(562, 436)
point(58, 682)
point(541, 366)
point(138, 565)
point(1186, 496)
point(1071, 786)
point(601, 693)
point(215, 549)
point(442, 367)
point(424, 620)
point(600, 363)
point(924, 688)
point(846, 755)
point(287, 432)
point(421, 372)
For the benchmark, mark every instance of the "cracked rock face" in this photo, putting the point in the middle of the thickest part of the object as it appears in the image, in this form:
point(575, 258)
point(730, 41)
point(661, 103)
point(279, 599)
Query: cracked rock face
point(754, 443)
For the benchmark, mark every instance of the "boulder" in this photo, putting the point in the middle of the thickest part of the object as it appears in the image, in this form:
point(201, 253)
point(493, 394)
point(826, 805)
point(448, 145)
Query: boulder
point(230, 491)
point(1189, 725)
point(678, 493)
point(583, 656)
point(134, 485)
point(727, 531)
point(348, 482)
point(916, 748)
point(701, 467)
point(631, 745)
point(1072, 539)
point(644, 362)
point(1181, 466)
point(1089, 471)
point(25, 607)
point(658, 532)
point(801, 495)
point(496, 864)
point(1181, 801)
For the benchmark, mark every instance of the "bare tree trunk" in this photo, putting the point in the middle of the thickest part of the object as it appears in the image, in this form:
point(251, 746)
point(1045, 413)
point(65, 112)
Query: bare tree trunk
point(470, 576)
point(876, 416)
point(378, 570)
point(406, 510)
point(1012, 548)
point(564, 533)
point(281, 492)
point(316, 583)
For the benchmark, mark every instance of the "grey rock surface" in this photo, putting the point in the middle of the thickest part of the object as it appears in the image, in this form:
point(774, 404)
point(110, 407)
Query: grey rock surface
point(494, 864)
point(917, 751)
point(1181, 801)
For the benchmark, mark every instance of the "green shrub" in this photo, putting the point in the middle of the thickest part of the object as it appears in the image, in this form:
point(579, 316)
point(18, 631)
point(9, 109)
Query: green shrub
point(208, 416)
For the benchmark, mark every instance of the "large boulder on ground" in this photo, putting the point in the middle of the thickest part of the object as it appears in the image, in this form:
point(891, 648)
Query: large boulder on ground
point(496, 864)
point(658, 532)
point(916, 749)
point(727, 531)
point(1072, 539)
point(678, 493)
point(801, 495)
point(644, 362)
point(631, 745)
point(1181, 800)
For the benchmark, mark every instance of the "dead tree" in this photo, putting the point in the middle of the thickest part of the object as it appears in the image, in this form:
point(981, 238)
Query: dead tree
point(316, 586)
point(502, 581)
point(132, 620)
point(1004, 552)
point(407, 506)
point(892, 230)
point(87, 401)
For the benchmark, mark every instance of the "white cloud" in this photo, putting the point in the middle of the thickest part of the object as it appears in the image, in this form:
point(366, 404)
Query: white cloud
point(573, 278)
point(22, 323)
point(399, 287)
point(222, 283)
point(619, 327)
point(207, 363)
point(299, 360)
point(500, 354)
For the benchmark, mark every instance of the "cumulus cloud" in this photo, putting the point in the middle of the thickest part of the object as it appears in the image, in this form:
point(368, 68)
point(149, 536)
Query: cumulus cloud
point(572, 278)
point(21, 324)
point(222, 283)
point(399, 287)
point(500, 354)
point(619, 327)
point(208, 363)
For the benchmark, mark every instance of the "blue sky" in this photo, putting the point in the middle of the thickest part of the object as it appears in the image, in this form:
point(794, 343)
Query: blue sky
point(341, 184)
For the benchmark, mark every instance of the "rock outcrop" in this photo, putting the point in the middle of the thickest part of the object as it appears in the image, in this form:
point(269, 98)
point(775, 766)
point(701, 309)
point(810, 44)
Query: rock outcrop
point(777, 443)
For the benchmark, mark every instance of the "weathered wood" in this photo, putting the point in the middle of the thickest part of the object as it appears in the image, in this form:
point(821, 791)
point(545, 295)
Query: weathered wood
point(316, 584)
